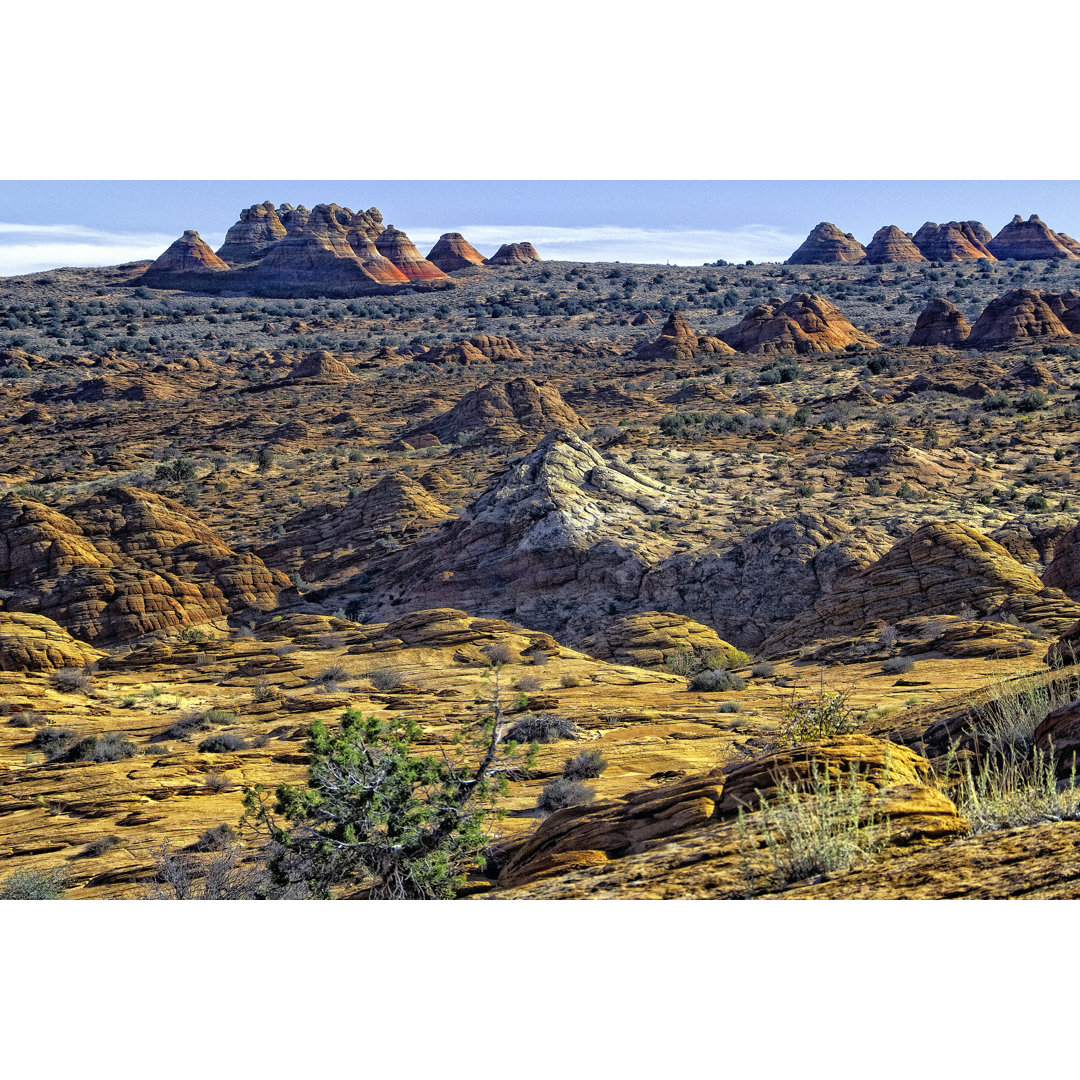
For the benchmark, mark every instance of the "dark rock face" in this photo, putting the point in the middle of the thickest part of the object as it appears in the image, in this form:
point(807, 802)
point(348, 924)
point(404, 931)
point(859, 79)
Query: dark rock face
point(942, 323)
point(827, 244)
point(1031, 239)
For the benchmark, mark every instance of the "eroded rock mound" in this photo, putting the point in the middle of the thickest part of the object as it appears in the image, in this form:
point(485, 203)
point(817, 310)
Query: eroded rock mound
point(892, 245)
point(123, 564)
point(330, 544)
point(1031, 239)
point(502, 412)
point(827, 244)
point(35, 643)
point(942, 568)
point(513, 255)
point(1019, 316)
point(803, 325)
point(677, 341)
point(259, 228)
point(394, 245)
point(942, 323)
point(955, 241)
point(322, 368)
point(453, 252)
point(651, 638)
point(1063, 571)
point(190, 254)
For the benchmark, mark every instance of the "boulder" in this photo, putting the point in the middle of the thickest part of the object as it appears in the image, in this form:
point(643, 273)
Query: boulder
point(827, 244)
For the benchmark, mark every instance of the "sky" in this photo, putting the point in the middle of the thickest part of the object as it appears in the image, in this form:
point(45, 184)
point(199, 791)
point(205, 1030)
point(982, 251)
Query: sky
point(46, 224)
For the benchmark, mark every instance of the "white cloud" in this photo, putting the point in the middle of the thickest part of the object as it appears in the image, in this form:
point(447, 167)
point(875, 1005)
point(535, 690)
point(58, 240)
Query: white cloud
point(616, 243)
point(27, 249)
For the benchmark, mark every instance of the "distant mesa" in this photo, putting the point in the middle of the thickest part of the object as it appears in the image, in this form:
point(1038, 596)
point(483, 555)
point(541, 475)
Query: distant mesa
point(394, 245)
point(806, 324)
point(942, 323)
point(891, 245)
point(827, 244)
point(955, 241)
point(677, 341)
point(259, 228)
point(513, 255)
point(190, 254)
point(453, 252)
point(1031, 239)
point(1020, 316)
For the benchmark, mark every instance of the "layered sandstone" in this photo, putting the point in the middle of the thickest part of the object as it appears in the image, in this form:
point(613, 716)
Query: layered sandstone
point(259, 228)
point(891, 245)
point(827, 244)
point(188, 255)
point(805, 324)
point(1019, 316)
point(955, 241)
point(322, 368)
point(513, 255)
point(653, 638)
point(453, 252)
point(942, 323)
point(677, 341)
point(1031, 239)
point(394, 245)
point(35, 643)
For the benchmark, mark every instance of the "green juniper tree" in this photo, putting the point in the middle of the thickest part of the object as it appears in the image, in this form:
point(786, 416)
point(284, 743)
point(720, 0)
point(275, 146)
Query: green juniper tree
point(378, 816)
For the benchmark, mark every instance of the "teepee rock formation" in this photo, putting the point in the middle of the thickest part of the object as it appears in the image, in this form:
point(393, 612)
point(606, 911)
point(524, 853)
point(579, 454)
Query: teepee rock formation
point(190, 254)
point(394, 245)
point(1019, 316)
point(453, 252)
point(677, 341)
point(827, 244)
point(942, 323)
point(513, 255)
point(805, 324)
point(259, 228)
point(1031, 239)
point(891, 245)
point(955, 241)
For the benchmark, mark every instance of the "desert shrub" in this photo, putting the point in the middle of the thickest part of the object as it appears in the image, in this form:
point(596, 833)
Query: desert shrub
point(154, 749)
point(53, 741)
point(708, 682)
point(222, 744)
point(215, 782)
point(28, 719)
point(528, 683)
point(588, 765)
point(498, 652)
point(569, 680)
point(542, 727)
point(113, 746)
point(286, 648)
point(897, 665)
point(330, 676)
point(216, 839)
point(34, 885)
point(1036, 504)
point(1031, 401)
point(71, 680)
point(218, 874)
point(187, 725)
point(385, 679)
point(681, 662)
point(263, 690)
point(826, 830)
point(101, 846)
point(173, 472)
point(563, 792)
point(819, 717)
point(763, 671)
point(729, 706)
point(721, 659)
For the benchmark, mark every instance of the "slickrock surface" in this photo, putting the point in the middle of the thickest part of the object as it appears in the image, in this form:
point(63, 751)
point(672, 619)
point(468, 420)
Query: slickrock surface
point(502, 412)
point(1018, 316)
point(942, 323)
point(892, 245)
point(650, 638)
point(188, 255)
point(827, 244)
point(394, 245)
point(955, 241)
point(259, 228)
point(938, 570)
point(513, 255)
point(803, 325)
point(1031, 239)
point(330, 543)
point(124, 563)
point(677, 341)
point(34, 643)
point(453, 252)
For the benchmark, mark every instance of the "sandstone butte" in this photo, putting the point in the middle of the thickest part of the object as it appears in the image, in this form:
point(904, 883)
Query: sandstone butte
point(188, 255)
point(394, 245)
point(1021, 315)
point(1031, 239)
point(453, 252)
point(259, 228)
point(677, 341)
point(805, 324)
point(955, 241)
point(891, 245)
point(513, 255)
point(827, 244)
point(942, 323)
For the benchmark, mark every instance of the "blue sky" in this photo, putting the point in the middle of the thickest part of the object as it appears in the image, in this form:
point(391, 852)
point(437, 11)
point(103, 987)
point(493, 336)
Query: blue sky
point(84, 223)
